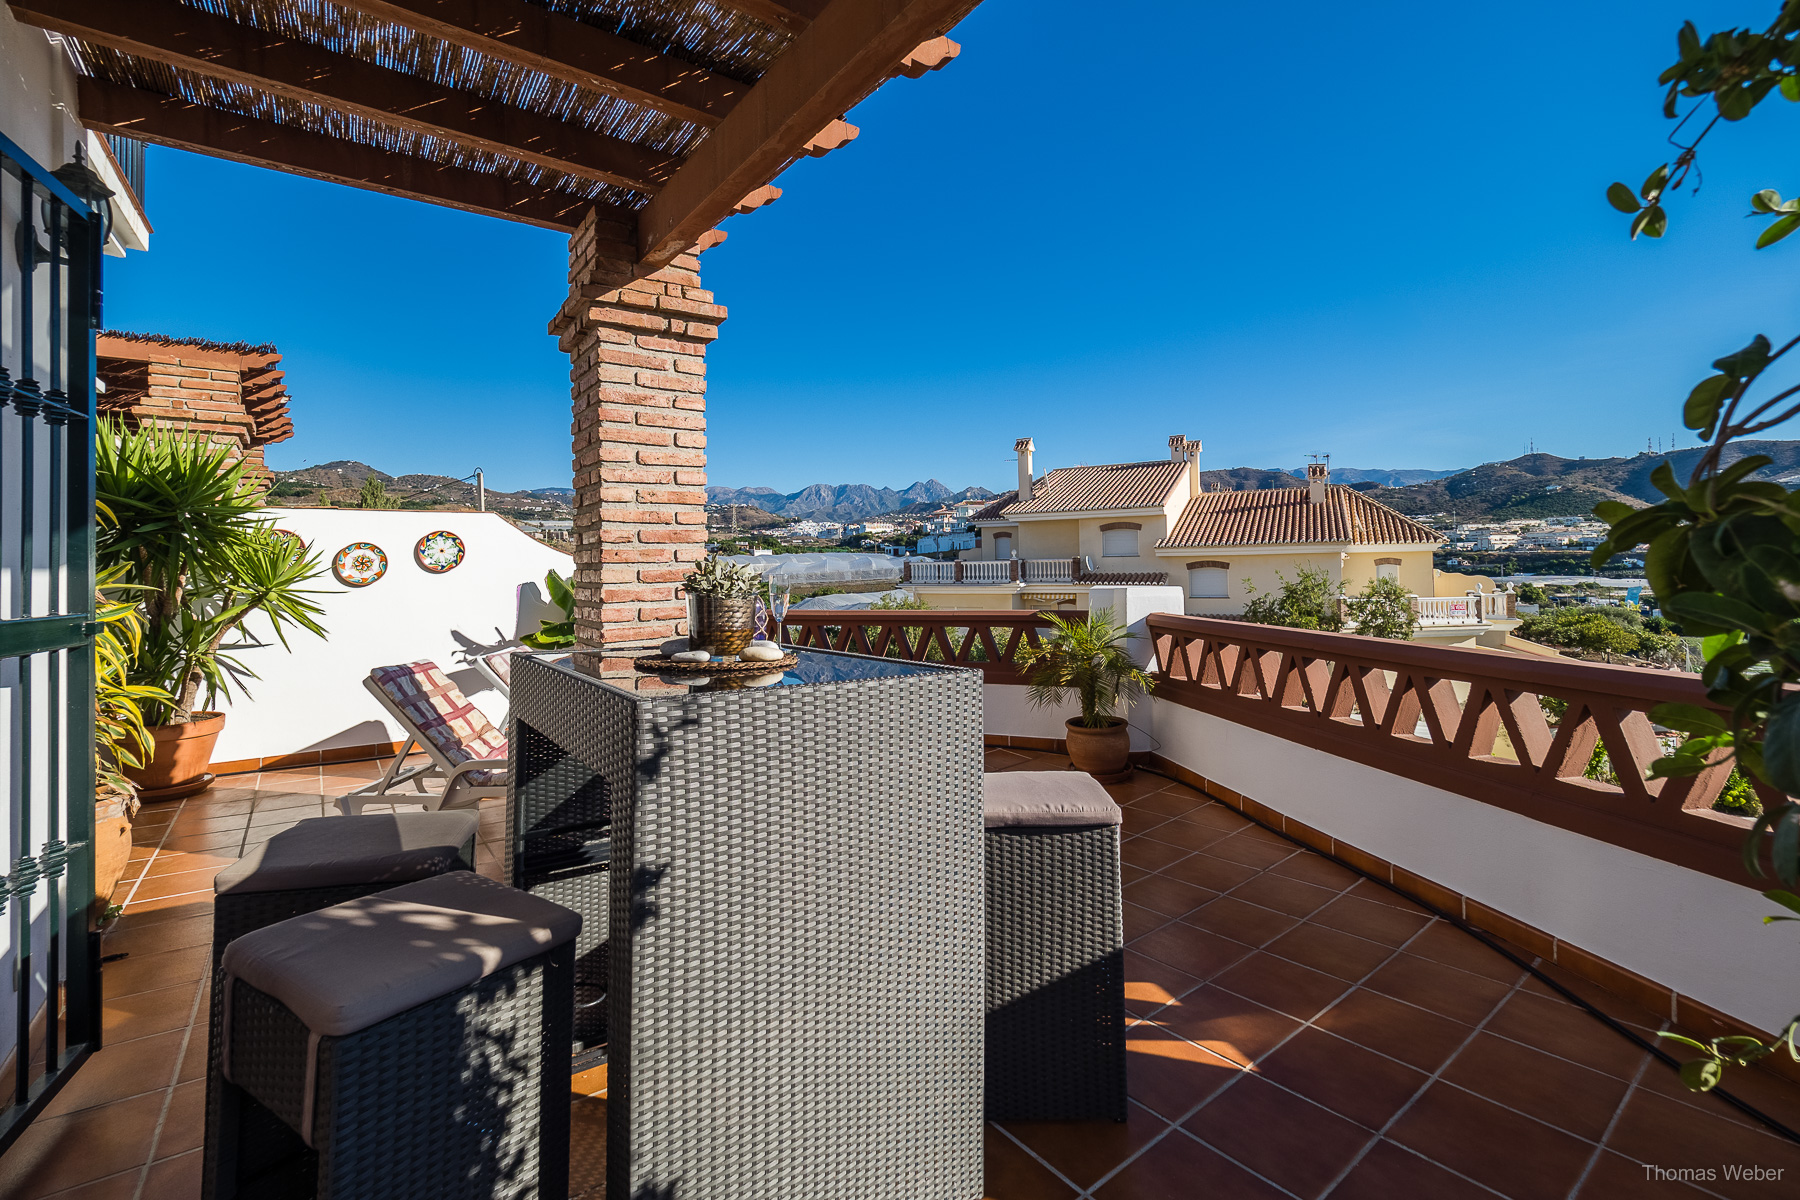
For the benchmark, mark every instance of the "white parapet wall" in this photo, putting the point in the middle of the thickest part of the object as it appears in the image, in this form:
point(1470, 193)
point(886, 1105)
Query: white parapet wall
point(1701, 936)
point(311, 697)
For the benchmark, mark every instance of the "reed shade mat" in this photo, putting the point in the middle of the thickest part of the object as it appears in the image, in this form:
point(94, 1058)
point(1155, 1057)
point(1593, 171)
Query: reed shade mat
point(716, 666)
point(331, 851)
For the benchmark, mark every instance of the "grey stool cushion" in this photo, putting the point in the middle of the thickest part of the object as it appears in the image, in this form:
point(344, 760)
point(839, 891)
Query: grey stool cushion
point(344, 968)
point(1040, 798)
point(333, 851)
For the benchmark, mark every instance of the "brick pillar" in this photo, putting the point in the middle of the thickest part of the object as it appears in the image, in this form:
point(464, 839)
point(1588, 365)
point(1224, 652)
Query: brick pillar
point(637, 353)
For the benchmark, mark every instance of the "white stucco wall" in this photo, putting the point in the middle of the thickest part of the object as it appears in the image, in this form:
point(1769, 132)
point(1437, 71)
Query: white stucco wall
point(312, 697)
point(1701, 936)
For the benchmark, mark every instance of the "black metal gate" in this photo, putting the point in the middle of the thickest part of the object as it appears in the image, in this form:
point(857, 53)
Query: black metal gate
point(49, 308)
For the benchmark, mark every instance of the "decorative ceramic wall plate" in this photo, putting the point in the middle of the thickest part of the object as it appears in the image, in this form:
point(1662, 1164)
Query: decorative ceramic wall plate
point(290, 535)
point(359, 564)
point(439, 552)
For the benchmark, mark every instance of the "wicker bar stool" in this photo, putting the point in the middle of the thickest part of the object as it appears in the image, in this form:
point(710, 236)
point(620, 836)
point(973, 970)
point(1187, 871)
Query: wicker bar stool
point(318, 863)
point(410, 1045)
point(1055, 949)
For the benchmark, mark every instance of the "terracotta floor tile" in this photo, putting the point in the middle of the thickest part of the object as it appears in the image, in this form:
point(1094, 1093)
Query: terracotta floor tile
point(1141, 784)
point(1417, 1038)
point(1137, 821)
point(284, 814)
point(1217, 816)
point(1389, 1172)
point(1170, 803)
point(1440, 989)
point(1171, 1076)
point(1359, 1084)
point(225, 841)
point(1553, 1090)
point(1268, 837)
point(1195, 951)
point(1150, 854)
point(62, 1152)
point(1250, 852)
point(1164, 894)
point(1250, 924)
point(1231, 1027)
point(1614, 1175)
point(1139, 920)
point(175, 1178)
point(1084, 1152)
point(1316, 869)
point(122, 1186)
point(1012, 1174)
point(175, 862)
point(1566, 1031)
point(1179, 1168)
point(1445, 943)
point(184, 1128)
point(120, 1070)
point(193, 1063)
point(1284, 894)
point(189, 826)
point(1129, 874)
point(1329, 950)
point(149, 972)
point(1300, 992)
point(172, 907)
point(1150, 984)
point(1368, 889)
point(128, 937)
point(1188, 835)
point(1667, 1133)
point(1286, 1140)
point(1366, 919)
point(178, 884)
point(1512, 1154)
point(147, 1013)
point(1774, 1096)
point(1203, 870)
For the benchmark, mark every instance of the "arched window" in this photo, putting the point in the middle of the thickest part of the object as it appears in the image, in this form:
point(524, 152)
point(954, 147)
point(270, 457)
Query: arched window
point(1119, 539)
point(1387, 568)
point(1209, 580)
point(1003, 545)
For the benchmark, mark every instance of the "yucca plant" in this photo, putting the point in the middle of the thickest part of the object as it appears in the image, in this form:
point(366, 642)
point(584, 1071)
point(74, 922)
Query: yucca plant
point(186, 537)
point(120, 738)
point(1088, 658)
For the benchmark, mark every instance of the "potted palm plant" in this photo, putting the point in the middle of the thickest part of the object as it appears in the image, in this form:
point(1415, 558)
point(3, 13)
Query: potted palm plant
point(1089, 659)
point(187, 537)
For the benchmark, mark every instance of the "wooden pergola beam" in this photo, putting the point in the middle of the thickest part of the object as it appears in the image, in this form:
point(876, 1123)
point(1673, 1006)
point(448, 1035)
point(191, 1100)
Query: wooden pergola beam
point(172, 121)
point(843, 56)
point(539, 40)
point(791, 15)
point(179, 36)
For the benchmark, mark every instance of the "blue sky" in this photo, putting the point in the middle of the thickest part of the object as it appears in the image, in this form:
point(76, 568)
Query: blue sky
point(1374, 230)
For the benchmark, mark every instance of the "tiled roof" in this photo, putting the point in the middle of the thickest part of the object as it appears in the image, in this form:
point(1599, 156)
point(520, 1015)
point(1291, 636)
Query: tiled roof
point(1275, 516)
point(995, 507)
point(1100, 489)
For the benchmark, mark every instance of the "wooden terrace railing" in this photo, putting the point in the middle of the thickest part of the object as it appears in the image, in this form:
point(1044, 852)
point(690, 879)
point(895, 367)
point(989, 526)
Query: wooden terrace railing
point(988, 641)
point(1468, 721)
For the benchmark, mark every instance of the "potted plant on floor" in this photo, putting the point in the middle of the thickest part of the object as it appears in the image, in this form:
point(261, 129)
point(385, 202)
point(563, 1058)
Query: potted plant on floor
point(1089, 659)
point(186, 535)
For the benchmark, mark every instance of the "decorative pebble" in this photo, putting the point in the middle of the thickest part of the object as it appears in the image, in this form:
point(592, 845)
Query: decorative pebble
point(691, 656)
point(769, 680)
point(761, 652)
point(674, 646)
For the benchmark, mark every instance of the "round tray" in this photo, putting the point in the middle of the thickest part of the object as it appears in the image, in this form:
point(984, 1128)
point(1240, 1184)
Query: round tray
point(676, 666)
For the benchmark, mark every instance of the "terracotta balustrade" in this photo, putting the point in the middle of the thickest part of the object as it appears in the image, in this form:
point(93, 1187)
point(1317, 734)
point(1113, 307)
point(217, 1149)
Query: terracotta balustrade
point(987, 641)
point(1468, 721)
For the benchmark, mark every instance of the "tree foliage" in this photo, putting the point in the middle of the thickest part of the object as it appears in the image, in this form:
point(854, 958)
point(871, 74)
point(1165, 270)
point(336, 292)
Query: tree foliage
point(1307, 601)
point(1384, 609)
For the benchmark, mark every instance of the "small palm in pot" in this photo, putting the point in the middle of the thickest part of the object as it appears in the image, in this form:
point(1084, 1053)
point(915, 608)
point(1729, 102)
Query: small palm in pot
point(1089, 658)
point(721, 598)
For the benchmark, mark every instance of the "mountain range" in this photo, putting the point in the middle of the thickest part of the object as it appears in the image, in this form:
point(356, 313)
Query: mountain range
point(1543, 485)
point(341, 483)
point(844, 501)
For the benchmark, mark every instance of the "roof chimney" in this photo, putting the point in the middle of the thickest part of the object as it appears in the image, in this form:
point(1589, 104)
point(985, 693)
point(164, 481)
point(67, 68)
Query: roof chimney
point(1183, 450)
point(1318, 474)
point(1023, 448)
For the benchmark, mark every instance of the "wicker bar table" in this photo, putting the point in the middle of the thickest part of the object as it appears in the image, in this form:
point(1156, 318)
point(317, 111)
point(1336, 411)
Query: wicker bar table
point(788, 874)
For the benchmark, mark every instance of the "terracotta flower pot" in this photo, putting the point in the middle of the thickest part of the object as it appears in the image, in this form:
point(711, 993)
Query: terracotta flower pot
point(722, 624)
point(112, 848)
point(1104, 753)
point(177, 767)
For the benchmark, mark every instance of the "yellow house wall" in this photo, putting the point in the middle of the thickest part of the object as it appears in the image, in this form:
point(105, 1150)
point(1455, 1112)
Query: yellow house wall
point(1263, 571)
point(964, 596)
point(1154, 528)
point(1453, 583)
point(1416, 571)
point(1047, 539)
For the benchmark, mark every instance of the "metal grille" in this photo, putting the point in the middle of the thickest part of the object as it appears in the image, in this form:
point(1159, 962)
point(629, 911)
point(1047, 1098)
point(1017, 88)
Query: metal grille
point(49, 307)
